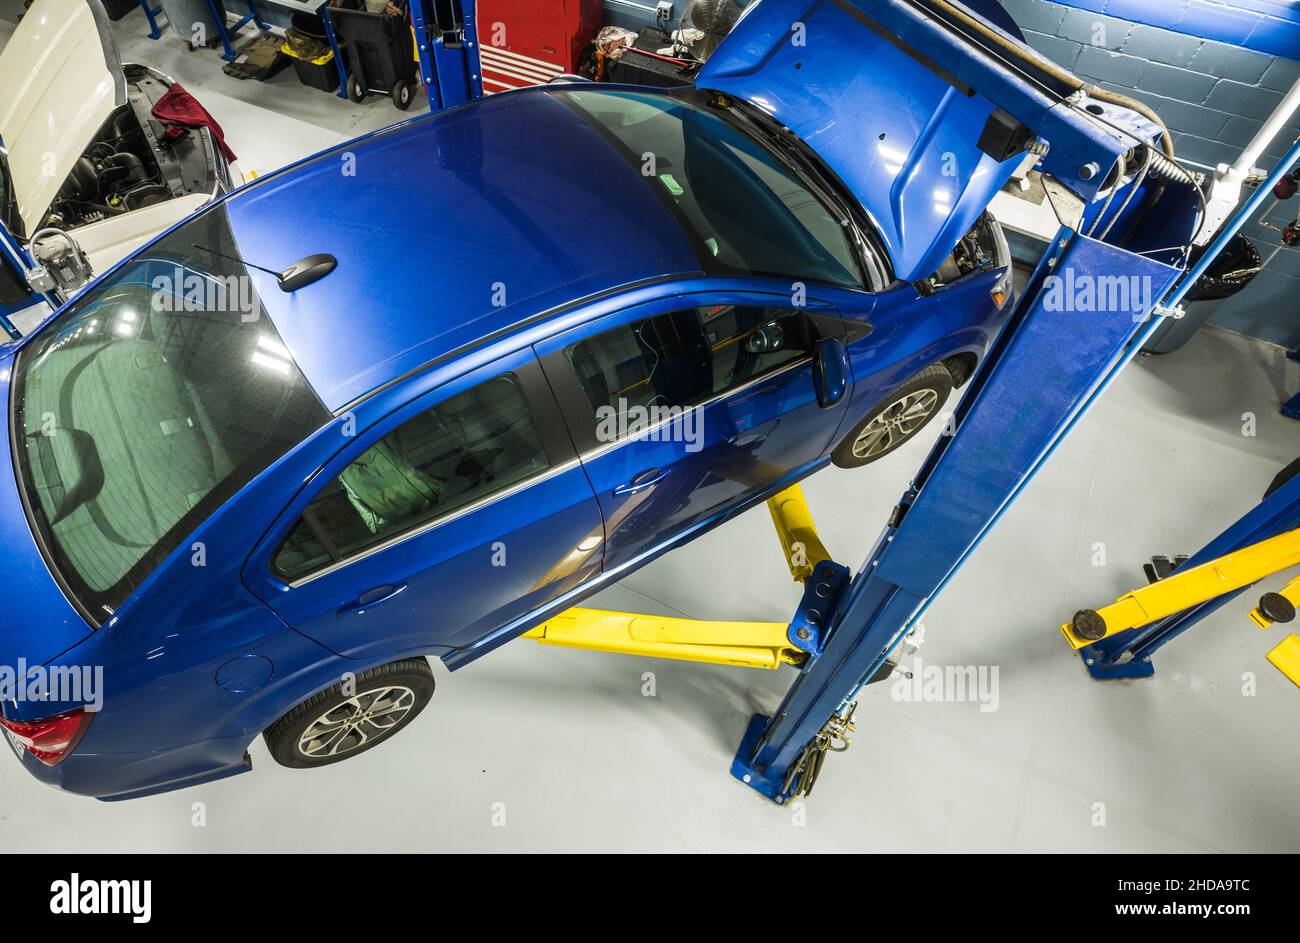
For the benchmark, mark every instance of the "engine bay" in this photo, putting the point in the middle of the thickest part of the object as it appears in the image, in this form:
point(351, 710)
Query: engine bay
point(135, 161)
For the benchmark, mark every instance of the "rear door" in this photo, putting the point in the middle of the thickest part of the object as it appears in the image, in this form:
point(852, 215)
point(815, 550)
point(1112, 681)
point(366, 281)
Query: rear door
point(464, 510)
point(685, 407)
point(922, 153)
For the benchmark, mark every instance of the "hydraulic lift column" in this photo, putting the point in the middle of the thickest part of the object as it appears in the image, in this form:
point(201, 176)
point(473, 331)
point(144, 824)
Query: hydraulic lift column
point(1052, 360)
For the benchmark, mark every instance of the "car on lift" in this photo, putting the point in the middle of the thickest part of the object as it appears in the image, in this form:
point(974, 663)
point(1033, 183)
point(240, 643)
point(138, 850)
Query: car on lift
point(417, 394)
point(82, 151)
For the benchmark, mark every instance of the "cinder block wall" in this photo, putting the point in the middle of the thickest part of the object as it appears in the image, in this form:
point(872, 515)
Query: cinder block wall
point(1214, 97)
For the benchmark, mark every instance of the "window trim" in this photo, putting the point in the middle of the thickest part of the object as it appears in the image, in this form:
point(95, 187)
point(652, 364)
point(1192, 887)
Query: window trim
point(419, 529)
point(552, 432)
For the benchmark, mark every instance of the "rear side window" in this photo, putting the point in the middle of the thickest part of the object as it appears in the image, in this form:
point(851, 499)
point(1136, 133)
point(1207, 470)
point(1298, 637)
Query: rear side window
point(461, 451)
point(685, 357)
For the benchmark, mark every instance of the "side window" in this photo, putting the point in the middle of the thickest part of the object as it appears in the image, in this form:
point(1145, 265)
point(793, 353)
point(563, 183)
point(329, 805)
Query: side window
point(464, 449)
point(747, 342)
point(685, 357)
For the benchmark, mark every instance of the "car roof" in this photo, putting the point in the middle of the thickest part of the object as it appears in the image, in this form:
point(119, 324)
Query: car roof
point(447, 229)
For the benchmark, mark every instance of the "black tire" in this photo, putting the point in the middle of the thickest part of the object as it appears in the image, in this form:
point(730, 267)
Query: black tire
point(931, 387)
point(402, 95)
point(356, 91)
point(392, 685)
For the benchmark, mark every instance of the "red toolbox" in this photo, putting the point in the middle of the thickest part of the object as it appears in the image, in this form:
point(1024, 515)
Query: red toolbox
point(529, 42)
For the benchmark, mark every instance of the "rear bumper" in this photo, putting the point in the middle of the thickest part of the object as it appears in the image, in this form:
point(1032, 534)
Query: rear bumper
point(113, 776)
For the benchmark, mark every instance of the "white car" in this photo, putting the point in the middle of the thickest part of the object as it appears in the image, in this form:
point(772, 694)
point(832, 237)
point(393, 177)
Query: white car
point(80, 150)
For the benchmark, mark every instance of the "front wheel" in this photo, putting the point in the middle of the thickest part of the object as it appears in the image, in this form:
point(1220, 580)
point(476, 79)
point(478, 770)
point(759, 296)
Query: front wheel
point(402, 94)
point(356, 91)
point(340, 723)
point(903, 413)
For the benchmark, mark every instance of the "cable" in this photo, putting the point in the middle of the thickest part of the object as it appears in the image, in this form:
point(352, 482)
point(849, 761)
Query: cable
point(1119, 180)
point(1137, 185)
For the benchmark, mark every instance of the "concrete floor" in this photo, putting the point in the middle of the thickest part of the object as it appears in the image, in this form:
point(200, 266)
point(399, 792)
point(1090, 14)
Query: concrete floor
point(543, 749)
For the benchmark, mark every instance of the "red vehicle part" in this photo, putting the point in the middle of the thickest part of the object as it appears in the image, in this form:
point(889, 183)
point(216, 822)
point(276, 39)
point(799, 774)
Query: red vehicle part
point(529, 42)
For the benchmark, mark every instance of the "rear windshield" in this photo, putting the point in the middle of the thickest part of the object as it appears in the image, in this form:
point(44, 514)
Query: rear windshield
point(146, 405)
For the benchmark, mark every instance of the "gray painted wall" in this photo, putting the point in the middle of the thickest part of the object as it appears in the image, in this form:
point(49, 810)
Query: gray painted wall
point(1214, 97)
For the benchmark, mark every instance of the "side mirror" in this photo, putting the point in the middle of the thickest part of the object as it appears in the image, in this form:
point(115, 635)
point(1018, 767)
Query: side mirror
point(830, 371)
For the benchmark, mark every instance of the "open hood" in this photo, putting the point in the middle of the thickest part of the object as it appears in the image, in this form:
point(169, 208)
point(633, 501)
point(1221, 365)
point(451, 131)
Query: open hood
point(61, 79)
point(923, 153)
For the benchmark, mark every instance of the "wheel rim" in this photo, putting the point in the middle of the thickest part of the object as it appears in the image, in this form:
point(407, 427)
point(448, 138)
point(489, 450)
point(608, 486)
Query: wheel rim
point(895, 423)
point(357, 721)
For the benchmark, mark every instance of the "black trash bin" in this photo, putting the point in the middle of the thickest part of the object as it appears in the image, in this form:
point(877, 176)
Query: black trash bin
point(1234, 269)
point(380, 53)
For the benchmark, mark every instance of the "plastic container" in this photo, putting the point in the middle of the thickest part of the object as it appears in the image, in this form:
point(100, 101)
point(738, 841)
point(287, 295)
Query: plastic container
point(319, 73)
point(381, 54)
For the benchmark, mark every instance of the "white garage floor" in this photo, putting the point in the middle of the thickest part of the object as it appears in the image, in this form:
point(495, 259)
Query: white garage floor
point(544, 749)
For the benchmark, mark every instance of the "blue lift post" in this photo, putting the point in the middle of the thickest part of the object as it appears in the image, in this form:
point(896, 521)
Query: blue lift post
point(224, 32)
point(1045, 370)
point(446, 40)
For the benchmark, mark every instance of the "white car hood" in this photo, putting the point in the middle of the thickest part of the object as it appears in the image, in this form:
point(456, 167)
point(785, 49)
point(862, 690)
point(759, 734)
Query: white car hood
point(60, 79)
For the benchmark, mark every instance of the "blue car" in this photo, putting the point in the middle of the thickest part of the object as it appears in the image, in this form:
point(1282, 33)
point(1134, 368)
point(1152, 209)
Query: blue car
point(524, 347)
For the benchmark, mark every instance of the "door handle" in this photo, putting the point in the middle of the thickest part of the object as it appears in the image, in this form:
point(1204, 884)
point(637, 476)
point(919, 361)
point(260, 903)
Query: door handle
point(647, 479)
point(371, 597)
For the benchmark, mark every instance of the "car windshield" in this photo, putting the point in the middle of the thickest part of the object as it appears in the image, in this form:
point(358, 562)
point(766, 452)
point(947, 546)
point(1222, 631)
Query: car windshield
point(146, 405)
point(746, 211)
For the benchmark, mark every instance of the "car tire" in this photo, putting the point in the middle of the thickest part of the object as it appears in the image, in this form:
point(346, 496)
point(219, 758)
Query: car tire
point(323, 729)
point(907, 410)
point(402, 95)
point(355, 92)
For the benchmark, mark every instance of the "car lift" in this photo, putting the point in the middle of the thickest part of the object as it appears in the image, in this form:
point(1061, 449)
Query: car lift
point(1042, 374)
point(1195, 585)
point(1118, 640)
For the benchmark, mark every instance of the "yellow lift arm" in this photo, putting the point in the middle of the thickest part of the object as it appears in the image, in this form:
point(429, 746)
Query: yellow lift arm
point(1185, 588)
point(745, 644)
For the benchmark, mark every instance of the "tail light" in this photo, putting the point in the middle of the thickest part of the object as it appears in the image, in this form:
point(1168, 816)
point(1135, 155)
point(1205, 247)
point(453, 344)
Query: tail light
point(51, 739)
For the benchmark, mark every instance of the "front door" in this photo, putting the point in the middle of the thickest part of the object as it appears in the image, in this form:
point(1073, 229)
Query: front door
point(456, 515)
point(684, 407)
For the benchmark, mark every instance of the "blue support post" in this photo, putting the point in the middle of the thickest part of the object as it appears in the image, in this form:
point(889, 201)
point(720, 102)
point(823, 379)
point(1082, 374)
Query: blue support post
point(1046, 368)
point(324, 11)
point(17, 258)
point(226, 32)
point(151, 14)
point(448, 51)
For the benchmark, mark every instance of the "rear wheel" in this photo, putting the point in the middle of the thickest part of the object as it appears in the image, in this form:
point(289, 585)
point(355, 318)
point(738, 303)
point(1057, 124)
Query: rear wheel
point(901, 415)
point(337, 724)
